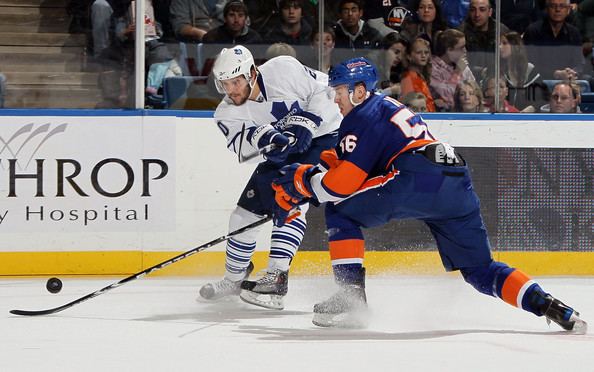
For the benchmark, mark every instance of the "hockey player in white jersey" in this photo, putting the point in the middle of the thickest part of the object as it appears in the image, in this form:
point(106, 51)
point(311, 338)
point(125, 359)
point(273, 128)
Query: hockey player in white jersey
point(286, 108)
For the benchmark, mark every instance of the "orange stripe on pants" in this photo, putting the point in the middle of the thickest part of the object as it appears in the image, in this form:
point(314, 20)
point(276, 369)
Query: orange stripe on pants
point(349, 248)
point(512, 286)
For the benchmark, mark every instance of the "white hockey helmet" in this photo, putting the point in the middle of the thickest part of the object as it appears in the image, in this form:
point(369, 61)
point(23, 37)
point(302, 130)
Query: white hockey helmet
point(233, 62)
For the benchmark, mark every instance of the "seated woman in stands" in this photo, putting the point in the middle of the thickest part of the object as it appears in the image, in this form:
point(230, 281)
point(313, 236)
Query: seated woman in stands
point(522, 79)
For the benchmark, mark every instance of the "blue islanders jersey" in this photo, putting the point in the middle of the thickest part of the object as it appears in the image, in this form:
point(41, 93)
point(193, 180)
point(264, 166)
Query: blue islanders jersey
point(370, 137)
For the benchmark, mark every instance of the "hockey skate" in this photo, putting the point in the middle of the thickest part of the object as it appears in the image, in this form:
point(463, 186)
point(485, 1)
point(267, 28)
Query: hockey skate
point(267, 291)
point(345, 309)
point(223, 288)
point(556, 311)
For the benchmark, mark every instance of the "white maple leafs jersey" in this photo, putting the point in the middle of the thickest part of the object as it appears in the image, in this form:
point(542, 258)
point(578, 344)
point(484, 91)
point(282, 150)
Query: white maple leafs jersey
point(286, 87)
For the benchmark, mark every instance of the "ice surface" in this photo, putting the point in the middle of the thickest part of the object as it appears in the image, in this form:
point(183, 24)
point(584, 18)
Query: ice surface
point(419, 323)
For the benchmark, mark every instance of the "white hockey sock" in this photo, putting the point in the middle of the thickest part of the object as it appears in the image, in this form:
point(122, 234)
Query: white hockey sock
point(285, 241)
point(238, 258)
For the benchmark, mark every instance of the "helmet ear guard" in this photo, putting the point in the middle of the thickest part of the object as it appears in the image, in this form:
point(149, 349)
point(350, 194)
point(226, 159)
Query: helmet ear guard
point(233, 62)
point(352, 72)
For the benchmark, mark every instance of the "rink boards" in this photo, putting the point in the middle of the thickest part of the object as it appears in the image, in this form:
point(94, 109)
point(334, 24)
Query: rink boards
point(114, 192)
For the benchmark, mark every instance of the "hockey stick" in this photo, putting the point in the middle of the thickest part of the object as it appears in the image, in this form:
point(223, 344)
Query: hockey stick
point(264, 150)
point(142, 273)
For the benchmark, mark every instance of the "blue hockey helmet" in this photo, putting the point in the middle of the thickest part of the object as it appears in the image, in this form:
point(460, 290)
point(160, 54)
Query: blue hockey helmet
point(353, 71)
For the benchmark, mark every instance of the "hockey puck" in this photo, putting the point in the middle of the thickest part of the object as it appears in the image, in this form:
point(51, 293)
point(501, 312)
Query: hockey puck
point(54, 285)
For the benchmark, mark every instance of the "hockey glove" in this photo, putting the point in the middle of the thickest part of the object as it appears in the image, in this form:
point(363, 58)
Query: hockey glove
point(267, 136)
point(302, 127)
point(294, 180)
point(286, 208)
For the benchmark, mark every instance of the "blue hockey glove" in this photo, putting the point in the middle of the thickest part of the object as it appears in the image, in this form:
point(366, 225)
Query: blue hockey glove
point(301, 126)
point(294, 181)
point(267, 136)
point(302, 139)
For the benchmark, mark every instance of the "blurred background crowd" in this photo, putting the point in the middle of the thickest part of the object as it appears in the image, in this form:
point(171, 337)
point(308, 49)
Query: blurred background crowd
point(433, 55)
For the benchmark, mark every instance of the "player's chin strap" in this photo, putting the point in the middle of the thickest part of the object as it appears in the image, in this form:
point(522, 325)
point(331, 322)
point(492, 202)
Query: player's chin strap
point(363, 100)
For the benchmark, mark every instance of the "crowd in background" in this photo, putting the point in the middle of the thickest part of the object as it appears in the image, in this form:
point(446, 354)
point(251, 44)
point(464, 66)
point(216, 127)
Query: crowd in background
point(436, 54)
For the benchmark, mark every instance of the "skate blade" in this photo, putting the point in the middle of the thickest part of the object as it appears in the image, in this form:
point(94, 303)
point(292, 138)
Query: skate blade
point(268, 301)
point(580, 327)
point(352, 320)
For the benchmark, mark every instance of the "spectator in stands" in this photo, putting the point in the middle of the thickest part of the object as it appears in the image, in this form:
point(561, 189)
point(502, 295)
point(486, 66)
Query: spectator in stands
point(119, 56)
point(328, 39)
point(454, 11)
point(417, 76)
point(564, 99)
point(293, 28)
point(192, 19)
point(479, 30)
point(265, 14)
point(554, 45)
point(518, 14)
point(392, 63)
point(101, 12)
point(235, 29)
point(429, 17)
point(353, 33)
point(415, 101)
point(386, 15)
point(2, 89)
point(468, 97)
point(449, 67)
point(520, 75)
point(489, 96)
point(280, 49)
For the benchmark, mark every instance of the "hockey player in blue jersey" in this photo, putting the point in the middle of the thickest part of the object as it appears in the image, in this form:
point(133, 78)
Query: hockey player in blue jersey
point(386, 166)
point(286, 109)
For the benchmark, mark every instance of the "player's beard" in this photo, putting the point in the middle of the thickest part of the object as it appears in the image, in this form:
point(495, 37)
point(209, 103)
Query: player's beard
point(240, 98)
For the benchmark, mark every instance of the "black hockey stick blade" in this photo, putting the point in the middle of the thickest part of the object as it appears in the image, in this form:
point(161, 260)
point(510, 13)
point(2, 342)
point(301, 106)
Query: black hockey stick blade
point(142, 273)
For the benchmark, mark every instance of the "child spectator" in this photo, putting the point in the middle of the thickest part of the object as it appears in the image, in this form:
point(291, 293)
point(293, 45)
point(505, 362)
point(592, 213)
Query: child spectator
point(468, 97)
point(489, 97)
point(417, 76)
point(415, 101)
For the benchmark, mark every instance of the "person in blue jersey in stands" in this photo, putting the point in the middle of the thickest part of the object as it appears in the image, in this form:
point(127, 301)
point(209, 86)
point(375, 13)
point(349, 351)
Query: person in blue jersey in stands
point(387, 165)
